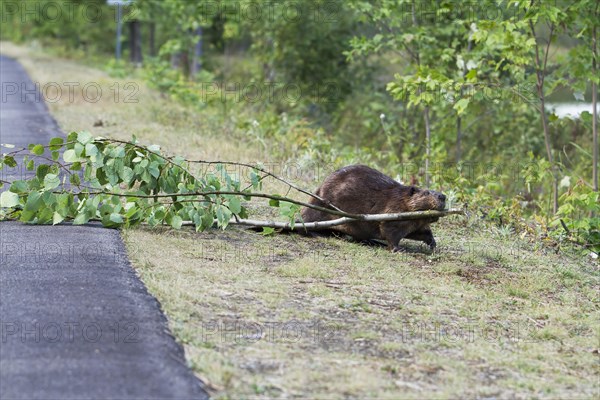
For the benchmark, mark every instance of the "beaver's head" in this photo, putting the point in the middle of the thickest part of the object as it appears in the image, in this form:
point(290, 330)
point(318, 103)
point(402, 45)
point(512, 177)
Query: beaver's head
point(423, 199)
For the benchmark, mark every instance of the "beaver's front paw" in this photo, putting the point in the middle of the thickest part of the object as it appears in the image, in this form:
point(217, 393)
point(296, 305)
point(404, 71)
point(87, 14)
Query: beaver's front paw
point(432, 244)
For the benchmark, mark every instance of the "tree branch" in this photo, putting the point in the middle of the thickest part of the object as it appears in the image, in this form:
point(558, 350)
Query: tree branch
point(318, 225)
point(240, 164)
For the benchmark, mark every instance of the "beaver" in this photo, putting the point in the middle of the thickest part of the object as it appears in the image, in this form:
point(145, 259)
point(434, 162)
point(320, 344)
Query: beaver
point(359, 189)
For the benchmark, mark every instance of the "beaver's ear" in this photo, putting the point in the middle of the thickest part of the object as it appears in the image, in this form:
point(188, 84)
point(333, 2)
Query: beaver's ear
point(412, 191)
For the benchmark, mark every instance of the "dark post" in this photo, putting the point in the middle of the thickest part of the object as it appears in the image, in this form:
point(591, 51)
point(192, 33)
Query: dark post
point(119, 24)
point(196, 64)
point(135, 42)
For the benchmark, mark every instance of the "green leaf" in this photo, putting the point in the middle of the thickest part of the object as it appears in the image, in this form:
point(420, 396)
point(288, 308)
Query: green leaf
point(126, 174)
point(118, 152)
point(34, 184)
point(57, 218)
point(223, 216)
point(289, 209)
point(51, 181)
point(116, 218)
point(274, 203)
point(461, 105)
point(159, 214)
point(30, 165)
point(176, 222)
point(146, 177)
point(27, 216)
point(72, 137)
point(49, 198)
point(34, 200)
point(81, 219)
point(74, 179)
point(10, 161)
point(78, 147)
point(38, 149)
point(131, 210)
point(267, 231)
point(56, 143)
point(42, 171)
point(208, 220)
point(235, 205)
point(106, 209)
point(64, 199)
point(91, 151)
point(9, 199)
point(84, 137)
point(19, 187)
point(70, 156)
point(153, 169)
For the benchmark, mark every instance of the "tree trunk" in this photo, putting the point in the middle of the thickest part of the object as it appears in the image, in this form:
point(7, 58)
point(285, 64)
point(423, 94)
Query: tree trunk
point(458, 138)
point(595, 107)
point(547, 140)
point(135, 43)
point(196, 63)
point(185, 62)
point(540, 73)
point(427, 145)
point(459, 118)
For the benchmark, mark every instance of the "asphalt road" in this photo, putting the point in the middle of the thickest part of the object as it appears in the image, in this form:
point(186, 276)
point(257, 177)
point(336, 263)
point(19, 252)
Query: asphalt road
point(75, 321)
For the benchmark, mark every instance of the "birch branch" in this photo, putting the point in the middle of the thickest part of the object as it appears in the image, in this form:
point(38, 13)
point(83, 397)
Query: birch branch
point(317, 225)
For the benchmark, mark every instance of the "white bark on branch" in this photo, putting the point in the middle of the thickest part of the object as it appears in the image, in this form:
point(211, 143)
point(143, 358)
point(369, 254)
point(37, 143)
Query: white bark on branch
point(317, 225)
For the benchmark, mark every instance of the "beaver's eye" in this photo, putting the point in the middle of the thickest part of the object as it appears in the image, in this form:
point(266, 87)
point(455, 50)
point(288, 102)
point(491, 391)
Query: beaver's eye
point(413, 190)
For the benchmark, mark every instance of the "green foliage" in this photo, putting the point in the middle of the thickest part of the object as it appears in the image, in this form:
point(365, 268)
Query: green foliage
point(480, 80)
point(79, 25)
point(118, 69)
point(173, 82)
point(122, 184)
point(580, 215)
point(375, 66)
point(305, 47)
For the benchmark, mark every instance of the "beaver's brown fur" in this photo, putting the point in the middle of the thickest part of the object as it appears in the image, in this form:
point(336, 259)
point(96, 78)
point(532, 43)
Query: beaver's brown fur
point(359, 189)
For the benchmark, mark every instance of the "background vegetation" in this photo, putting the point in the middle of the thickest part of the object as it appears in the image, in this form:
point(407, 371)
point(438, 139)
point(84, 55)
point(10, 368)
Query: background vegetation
point(444, 94)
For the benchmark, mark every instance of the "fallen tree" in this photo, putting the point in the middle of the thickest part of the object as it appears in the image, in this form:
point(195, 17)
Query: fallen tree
point(122, 183)
point(318, 225)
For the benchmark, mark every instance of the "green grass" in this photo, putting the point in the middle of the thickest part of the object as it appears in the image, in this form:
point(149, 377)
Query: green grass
point(486, 315)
